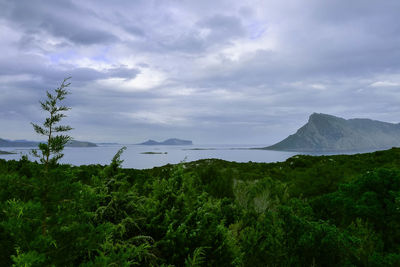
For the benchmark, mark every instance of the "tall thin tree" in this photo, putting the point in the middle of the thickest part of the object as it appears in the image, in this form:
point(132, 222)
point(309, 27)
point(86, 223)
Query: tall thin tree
point(51, 151)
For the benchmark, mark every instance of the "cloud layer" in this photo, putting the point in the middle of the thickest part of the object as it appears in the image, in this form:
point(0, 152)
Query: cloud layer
point(210, 71)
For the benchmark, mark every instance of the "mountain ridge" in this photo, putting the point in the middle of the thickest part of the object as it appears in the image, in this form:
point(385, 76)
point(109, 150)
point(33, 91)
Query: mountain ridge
point(324, 132)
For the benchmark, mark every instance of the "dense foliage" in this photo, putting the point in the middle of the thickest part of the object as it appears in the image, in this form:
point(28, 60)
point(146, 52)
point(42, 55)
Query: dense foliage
point(306, 211)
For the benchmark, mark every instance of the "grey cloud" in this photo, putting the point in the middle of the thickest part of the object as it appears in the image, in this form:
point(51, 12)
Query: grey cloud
point(185, 43)
point(222, 27)
point(343, 12)
point(61, 19)
point(222, 23)
point(323, 57)
point(135, 30)
point(220, 30)
point(86, 36)
point(34, 65)
point(123, 72)
point(90, 75)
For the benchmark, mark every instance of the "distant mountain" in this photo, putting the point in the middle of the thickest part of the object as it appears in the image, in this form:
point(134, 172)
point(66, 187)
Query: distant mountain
point(325, 132)
point(25, 143)
point(168, 142)
point(150, 143)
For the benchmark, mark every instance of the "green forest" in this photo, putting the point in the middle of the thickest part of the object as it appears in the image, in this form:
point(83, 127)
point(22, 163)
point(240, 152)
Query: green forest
point(341, 210)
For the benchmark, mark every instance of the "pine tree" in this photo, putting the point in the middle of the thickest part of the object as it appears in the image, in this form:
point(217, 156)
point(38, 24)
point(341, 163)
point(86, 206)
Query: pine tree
point(51, 151)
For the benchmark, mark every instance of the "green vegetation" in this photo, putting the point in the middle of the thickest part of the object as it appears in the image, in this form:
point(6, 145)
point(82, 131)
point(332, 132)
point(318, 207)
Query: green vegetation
point(51, 151)
point(307, 211)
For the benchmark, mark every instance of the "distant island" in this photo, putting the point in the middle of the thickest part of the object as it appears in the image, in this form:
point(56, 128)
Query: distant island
point(168, 142)
point(6, 152)
point(325, 132)
point(17, 143)
point(25, 143)
point(153, 153)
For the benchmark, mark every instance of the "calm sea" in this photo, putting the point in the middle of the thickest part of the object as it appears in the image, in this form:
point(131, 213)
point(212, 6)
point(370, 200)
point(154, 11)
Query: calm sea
point(134, 158)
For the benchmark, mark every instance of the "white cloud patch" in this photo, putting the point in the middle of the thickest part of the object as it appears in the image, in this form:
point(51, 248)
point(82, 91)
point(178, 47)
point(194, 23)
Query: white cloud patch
point(385, 84)
point(318, 86)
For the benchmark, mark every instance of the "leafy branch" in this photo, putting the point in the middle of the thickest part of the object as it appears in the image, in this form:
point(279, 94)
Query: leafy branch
point(51, 151)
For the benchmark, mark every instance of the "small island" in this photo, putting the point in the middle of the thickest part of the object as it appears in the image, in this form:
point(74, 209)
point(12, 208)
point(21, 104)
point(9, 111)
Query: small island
point(153, 153)
point(168, 142)
point(6, 152)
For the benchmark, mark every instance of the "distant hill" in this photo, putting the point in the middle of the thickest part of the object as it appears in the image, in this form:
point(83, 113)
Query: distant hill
point(25, 143)
point(168, 142)
point(150, 143)
point(325, 132)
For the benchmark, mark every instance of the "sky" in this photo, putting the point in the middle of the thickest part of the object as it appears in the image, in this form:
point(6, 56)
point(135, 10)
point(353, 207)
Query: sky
point(231, 72)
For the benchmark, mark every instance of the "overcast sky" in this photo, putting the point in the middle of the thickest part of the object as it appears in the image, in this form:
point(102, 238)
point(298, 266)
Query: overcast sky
point(210, 71)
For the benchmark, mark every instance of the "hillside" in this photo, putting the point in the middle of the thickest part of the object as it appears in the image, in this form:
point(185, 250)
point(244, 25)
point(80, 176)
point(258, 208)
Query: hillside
point(325, 132)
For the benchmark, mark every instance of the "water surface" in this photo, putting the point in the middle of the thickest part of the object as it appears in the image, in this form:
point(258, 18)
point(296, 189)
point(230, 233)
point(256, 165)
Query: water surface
point(143, 157)
point(134, 158)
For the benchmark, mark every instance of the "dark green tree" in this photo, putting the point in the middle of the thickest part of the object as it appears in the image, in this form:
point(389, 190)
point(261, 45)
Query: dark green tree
point(51, 151)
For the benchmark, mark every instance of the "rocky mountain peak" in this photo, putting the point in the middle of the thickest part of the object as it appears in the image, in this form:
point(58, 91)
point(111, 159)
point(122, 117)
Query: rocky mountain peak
point(324, 132)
